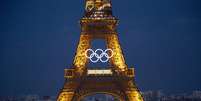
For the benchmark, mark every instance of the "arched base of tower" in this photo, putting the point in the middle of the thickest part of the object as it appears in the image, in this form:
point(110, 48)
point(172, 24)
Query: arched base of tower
point(121, 87)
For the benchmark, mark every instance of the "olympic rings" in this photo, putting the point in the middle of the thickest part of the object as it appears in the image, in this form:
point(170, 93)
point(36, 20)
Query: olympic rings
point(99, 54)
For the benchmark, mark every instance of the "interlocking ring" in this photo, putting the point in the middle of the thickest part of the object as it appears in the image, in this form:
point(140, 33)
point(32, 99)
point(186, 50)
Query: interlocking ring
point(99, 56)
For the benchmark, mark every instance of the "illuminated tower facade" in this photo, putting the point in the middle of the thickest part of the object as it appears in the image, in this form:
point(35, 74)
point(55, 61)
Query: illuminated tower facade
point(117, 80)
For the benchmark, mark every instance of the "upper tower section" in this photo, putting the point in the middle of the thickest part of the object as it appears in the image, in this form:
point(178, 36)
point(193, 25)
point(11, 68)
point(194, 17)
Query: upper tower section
point(99, 9)
point(98, 19)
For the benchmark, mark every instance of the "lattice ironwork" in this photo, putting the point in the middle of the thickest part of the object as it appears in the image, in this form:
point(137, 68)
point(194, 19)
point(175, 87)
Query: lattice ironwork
point(99, 23)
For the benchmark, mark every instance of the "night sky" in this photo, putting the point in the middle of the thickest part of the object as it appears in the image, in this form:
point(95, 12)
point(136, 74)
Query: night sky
point(38, 38)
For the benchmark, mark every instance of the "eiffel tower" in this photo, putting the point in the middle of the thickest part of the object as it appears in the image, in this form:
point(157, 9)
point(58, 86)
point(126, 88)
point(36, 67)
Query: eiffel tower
point(117, 80)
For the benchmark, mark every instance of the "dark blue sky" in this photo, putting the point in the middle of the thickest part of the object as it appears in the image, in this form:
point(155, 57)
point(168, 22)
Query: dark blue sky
point(38, 38)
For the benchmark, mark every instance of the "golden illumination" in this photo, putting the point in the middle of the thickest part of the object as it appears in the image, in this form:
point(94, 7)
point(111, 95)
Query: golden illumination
point(80, 60)
point(99, 72)
point(99, 23)
point(65, 96)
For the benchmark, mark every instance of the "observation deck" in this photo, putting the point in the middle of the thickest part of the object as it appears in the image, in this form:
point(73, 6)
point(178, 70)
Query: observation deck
point(71, 74)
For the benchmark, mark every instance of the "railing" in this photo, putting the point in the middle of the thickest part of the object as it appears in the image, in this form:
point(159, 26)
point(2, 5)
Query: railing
point(99, 72)
point(70, 73)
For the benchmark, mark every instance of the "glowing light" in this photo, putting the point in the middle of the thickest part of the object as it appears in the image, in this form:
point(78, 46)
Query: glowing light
point(106, 71)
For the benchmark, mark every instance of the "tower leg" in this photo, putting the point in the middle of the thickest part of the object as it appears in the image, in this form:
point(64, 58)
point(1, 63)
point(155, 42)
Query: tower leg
point(132, 92)
point(65, 96)
point(68, 91)
point(134, 96)
point(80, 59)
point(118, 59)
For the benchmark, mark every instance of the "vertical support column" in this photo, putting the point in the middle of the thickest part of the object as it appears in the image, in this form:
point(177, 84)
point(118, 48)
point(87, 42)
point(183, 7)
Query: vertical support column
point(80, 59)
point(134, 96)
point(65, 96)
point(118, 59)
point(132, 92)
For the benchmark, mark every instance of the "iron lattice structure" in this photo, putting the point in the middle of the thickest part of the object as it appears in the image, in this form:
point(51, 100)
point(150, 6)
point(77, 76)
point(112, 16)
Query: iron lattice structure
point(99, 23)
